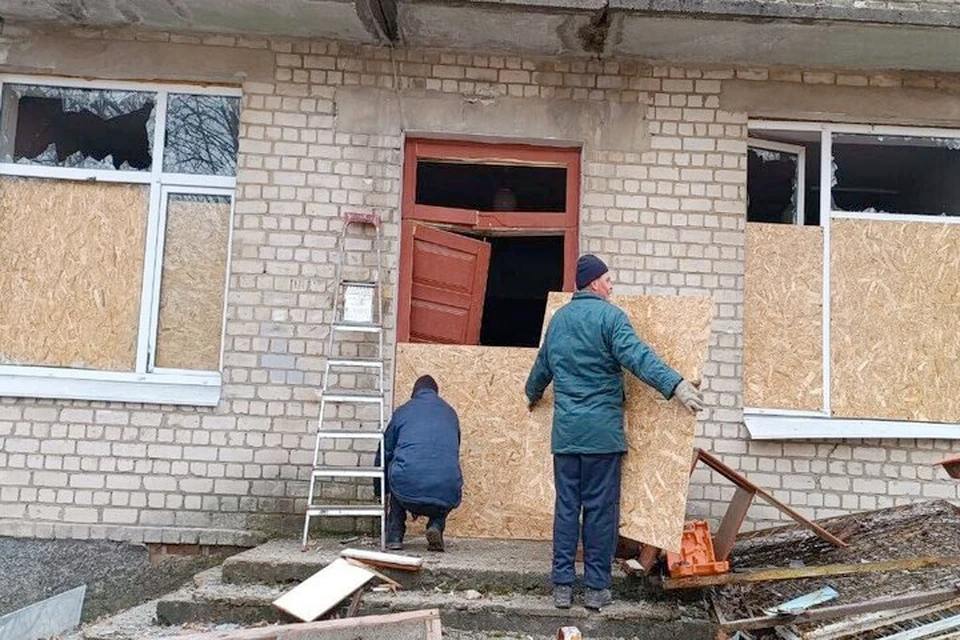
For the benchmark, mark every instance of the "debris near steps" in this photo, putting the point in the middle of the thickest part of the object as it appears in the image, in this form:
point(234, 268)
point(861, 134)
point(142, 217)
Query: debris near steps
point(384, 560)
point(327, 588)
point(898, 573)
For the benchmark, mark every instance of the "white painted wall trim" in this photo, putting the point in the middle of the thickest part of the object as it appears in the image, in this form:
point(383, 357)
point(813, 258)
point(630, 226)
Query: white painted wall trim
point(199, 389)
point(793, 427)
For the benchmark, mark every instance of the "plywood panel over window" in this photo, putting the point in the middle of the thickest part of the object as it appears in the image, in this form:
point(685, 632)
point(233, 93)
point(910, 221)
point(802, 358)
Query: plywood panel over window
point(783, 317)
point(895, 306)
point(192, 282)
point(72, 265)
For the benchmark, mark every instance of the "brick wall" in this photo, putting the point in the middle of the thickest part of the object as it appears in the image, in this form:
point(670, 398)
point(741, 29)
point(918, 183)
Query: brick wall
point(670, 219)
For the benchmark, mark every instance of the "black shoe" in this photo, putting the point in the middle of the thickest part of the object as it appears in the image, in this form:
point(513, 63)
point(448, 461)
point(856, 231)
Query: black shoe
point(562, 596)
point(596, 599)
point(395, 546)
point(434, 539)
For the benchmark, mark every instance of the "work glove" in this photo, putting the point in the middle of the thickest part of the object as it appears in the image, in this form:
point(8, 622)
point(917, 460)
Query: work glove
point(690, 396)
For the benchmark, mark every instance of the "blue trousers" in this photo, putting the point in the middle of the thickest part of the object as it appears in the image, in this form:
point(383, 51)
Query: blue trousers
point(397, 517)
point(587, 484)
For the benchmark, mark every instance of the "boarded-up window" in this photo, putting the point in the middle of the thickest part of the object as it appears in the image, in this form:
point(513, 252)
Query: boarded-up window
point(192, 281)
point(71, 266)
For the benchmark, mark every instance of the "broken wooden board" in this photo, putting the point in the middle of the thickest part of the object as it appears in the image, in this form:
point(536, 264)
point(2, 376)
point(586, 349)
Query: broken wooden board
point(72, 272)
point(324, 590)
point(409, 625)
point(505, 449)
point(895, 288)
point(660, 433)
point(783, 317)
point(385, 560)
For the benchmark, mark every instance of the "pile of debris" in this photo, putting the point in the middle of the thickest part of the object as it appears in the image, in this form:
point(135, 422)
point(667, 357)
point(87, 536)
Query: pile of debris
point(895, 580)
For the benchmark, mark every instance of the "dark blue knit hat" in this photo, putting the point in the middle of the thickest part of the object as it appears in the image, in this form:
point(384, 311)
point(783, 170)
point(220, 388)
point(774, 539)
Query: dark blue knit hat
point(589, 268)
point(424, 382)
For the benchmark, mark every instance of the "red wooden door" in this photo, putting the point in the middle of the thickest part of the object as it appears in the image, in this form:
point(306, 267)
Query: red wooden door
point(443, 280)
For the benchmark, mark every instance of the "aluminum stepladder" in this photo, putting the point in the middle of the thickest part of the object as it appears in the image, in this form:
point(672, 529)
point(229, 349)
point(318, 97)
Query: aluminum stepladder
point(342, 323)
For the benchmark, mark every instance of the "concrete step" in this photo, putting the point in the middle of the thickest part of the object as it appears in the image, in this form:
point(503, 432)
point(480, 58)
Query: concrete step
point(211, 600)
point(488, 566)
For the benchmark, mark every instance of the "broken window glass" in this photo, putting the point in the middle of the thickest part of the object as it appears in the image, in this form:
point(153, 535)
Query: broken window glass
point(201, 135)
point(492, 187)
point(771, 186)
point(71, 127)
point(896, 174)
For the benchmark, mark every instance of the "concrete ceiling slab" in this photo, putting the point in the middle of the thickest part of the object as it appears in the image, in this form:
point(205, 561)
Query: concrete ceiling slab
point(839, 45)
point(554, 27)
point(343, 19)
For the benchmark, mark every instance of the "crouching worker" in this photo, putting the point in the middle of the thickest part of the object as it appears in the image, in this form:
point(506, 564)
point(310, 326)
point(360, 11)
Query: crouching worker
point(422, 445)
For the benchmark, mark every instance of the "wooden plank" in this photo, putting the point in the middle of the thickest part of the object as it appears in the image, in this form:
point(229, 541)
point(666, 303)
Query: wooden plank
point(726, 534)
point(386, 560)
point(925, 631)
point(871, 620)
point(843, 610)
point(362, 628)
point(741, 481)
point(324, 590)
point(767, 575)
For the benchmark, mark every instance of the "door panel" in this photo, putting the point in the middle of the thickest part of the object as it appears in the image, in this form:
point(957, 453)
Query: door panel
point(442, 287)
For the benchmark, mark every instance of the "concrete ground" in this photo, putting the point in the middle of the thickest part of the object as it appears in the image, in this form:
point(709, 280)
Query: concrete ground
point(118, 575)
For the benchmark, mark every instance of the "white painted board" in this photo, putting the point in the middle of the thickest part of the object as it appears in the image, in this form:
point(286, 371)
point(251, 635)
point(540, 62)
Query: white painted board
point(324, 590)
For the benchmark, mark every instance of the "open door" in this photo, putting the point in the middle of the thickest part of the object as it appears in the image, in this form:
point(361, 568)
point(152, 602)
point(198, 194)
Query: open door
point(443, 281)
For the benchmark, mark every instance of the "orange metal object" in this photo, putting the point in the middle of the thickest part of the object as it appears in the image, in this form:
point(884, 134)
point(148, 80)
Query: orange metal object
point(696, 557)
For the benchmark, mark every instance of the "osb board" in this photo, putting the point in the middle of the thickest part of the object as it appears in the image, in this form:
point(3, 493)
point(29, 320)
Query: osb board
point(656, 469)
point(70, 284)
point(783, 317)
point(895, 303)
point(504, 448)
point(190, 321)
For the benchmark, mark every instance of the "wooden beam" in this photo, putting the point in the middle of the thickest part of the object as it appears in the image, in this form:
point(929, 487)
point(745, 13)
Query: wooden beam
point(787, 573)
point(385, 560)
point(727, 533)
point(843, 610)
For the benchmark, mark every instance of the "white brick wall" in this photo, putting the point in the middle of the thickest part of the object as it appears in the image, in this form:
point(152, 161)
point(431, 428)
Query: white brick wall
point(670, 219)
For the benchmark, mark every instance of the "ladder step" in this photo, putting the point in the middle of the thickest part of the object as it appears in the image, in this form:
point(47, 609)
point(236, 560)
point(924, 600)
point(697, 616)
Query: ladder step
point(343, 433)
point(352, 397)
point(359, 327)
point(356, 362)
point(345, 510)
point(347, 472)
point(358, 283)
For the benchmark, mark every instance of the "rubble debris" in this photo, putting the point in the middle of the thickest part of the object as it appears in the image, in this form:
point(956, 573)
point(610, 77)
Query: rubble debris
point(907, 560)
point(804, 602)
point(569, 633)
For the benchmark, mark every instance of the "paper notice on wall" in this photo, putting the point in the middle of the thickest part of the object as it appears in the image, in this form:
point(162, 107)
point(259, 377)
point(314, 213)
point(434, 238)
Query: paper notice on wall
point(358, 304)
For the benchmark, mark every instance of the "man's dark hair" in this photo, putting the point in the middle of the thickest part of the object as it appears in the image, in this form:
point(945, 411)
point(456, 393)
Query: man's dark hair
point(424, 382)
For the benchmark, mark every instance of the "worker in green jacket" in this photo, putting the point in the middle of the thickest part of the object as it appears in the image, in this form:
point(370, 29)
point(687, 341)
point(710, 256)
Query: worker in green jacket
point(588, 343)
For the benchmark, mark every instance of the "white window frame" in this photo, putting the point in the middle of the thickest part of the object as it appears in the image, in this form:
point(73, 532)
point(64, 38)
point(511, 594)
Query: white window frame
point(801, 176)
point(146, 384)
point(783, 424)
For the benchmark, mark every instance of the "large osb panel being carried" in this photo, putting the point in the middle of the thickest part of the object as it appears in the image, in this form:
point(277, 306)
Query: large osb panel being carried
point(190, 323)
point(783, 317)
point(895, 348)
point(504, 448)
point(72, 256)
point(660, 433)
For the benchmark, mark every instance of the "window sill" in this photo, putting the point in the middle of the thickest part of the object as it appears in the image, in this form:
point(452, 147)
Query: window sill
point(199, 389)
point(771, 426)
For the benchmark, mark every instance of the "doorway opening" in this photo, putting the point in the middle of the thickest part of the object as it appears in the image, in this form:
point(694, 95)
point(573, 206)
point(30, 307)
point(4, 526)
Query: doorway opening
point(488, 231)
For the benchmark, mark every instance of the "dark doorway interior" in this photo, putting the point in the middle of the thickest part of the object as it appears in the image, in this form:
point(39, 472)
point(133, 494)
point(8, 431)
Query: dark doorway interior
point(523, 270)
